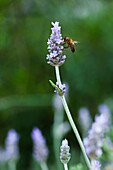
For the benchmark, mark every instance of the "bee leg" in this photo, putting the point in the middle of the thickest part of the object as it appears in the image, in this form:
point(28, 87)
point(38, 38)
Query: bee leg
point(63, 43)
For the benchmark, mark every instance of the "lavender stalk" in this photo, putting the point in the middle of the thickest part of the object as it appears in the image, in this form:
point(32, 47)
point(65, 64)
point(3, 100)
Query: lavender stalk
point(65, 167)
point(94, 141)
point(12, 165)
point(64, 154)
point(71, 120)
point(43, 166)
point(40, 150)
point(60, 128)
point(12, 151)
point(56, 58)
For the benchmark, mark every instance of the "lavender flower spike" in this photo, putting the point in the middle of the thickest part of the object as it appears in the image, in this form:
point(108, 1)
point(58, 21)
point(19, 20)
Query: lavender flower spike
point(11, 142)
point(55, 47)
point(84, 119)
point(40, 151)
point(64, 154)
point(94, 141)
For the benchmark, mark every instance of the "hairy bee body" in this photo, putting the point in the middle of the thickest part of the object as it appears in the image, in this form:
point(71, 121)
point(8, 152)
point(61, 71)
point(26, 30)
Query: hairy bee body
point(70, 43)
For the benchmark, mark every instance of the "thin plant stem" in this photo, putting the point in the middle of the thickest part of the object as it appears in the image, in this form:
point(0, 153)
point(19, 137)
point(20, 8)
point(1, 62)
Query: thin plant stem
point(57, 74)
point(65, 167)
point(58, 119)
point(12, 165)
point(71, 120)
point(75, 130)
point(43, 166)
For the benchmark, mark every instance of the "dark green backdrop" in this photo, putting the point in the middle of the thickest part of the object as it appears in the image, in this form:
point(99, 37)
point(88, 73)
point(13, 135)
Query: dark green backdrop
point(25, 93)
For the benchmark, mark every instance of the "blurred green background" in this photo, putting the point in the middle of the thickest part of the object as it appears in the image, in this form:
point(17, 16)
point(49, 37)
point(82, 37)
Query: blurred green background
point(25, 93)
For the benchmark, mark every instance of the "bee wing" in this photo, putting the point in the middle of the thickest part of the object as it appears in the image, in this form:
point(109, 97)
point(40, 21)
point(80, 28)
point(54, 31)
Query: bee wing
point(76, 42)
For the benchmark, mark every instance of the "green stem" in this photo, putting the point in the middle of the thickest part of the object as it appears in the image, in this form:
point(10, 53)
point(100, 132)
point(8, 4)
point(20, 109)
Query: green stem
point(57, 74)
point(58, 120)
point(75, 130)
point(71, 120)
point(12, 165)
point(65, 167)
point(43, 166)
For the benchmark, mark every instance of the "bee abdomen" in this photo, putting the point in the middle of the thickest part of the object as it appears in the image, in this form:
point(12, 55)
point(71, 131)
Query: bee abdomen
point(73, 49)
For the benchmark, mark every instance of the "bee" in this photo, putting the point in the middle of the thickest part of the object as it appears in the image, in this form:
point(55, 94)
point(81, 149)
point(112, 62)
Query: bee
point(70, 43)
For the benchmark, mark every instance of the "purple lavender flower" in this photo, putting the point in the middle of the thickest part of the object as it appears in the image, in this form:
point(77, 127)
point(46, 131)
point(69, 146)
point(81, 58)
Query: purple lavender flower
point(95, 165)
point(61, 87)
point(64, 153)
point(57, 103)
point(55, 47)
point(40, 151)
point(11, 143)
point(105, 116)
point(94, 141)
point(84, 119)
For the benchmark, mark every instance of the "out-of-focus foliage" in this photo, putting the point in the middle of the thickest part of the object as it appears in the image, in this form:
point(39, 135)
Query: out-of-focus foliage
point(78, 167)
point(25, 93)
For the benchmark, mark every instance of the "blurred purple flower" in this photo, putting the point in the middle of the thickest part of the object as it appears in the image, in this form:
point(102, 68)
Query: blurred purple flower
point(95, 165)
point(55, 47)
point(105, 116)
point(94, 141)
point(57, 103)
point(40, 150)
point(84, 119)
point(11, 145)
